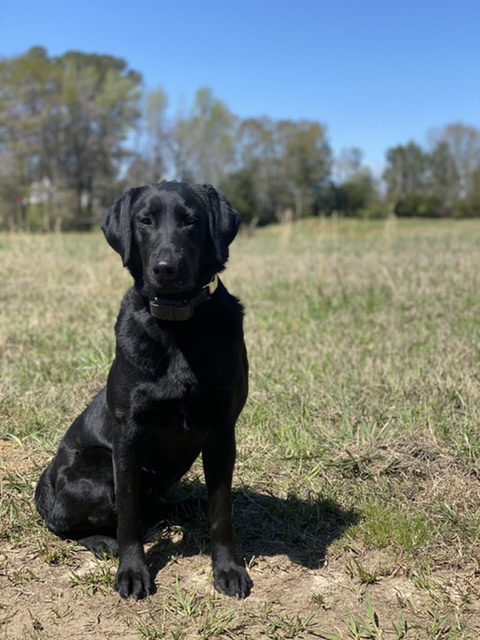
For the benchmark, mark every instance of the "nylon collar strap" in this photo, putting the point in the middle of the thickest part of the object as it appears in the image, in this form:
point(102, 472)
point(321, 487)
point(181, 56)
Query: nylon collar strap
point(179, 310)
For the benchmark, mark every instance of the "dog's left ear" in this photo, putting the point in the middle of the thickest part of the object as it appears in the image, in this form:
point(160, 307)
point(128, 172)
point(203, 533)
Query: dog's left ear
point(224, 221)
point(117, 225)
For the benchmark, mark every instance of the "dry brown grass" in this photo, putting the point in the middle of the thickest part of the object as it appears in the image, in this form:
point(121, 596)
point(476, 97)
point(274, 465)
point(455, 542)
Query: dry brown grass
point(357, 480)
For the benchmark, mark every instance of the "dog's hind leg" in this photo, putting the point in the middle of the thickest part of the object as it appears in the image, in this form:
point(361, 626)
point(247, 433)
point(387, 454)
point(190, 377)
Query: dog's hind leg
point(75, 496)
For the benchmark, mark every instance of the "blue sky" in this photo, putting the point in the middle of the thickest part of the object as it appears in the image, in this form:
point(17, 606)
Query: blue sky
point(375, 73)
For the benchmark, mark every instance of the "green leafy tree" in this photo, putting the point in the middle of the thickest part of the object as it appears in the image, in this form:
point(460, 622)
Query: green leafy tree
point(438, 183)
point(359, 194)
point(281, 164)
point(420, 205)
point(406, 171)
point(355, 192)
point(239, 188)
point(99, 106)
point(64, 120)
point(29, 129)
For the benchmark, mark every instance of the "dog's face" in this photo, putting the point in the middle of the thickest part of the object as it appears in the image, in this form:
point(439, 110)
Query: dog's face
point(172, 236)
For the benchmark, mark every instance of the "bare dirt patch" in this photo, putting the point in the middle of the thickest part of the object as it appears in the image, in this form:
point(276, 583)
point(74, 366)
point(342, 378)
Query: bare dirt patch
point(52, 589)
point(16, 459)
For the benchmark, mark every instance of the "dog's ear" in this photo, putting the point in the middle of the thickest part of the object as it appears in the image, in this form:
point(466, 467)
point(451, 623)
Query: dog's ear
point(224, 221)
point(117, 225)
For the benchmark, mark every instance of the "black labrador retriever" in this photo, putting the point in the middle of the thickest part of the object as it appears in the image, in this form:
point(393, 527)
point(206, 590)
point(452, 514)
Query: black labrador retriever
point(175, 389)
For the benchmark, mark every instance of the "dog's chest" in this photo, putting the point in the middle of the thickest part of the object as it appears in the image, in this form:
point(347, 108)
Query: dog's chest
point(174, 428)
point(171, 399)
point(176, 379)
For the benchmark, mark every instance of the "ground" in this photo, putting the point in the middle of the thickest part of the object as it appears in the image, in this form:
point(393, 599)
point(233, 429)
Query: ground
point(56, 590)
point(357, 484)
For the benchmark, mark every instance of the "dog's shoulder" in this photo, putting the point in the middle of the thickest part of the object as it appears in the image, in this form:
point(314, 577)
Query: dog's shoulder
point(225, 311)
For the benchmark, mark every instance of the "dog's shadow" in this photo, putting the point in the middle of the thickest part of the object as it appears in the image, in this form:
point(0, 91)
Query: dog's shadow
point(265, 525)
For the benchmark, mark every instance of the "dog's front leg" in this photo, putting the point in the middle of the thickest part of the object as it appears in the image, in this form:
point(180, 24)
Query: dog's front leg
point(229, 575)
point(133, 577)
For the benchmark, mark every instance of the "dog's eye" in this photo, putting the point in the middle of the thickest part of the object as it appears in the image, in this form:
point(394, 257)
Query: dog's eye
point(189, 221)
point(145, 221)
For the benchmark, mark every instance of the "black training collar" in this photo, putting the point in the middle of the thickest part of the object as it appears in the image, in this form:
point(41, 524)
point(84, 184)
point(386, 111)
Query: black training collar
point(173, 310)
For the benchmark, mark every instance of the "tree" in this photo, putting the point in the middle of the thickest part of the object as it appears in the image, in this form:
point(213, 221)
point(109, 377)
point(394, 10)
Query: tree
point(150, 162)
point(359, 194)
point(239, 188)
point(256, 169)
point(411, 177)
point(420, 205)
point(282, 165)
point(463, 142)
point(354, 192)
point(406, 170)
point(99, 106)
point(29, 128)
point(64, 119)
point(348, 164)
point(304, 162)
point(444, 178)
point(439, 183)
point(202, 143)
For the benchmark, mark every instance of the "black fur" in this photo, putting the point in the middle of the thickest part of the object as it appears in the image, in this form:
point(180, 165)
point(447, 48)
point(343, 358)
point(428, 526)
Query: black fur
point(175, 390)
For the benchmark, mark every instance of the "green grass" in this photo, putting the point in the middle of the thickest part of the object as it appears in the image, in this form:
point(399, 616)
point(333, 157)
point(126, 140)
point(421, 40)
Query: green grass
point(360, 439)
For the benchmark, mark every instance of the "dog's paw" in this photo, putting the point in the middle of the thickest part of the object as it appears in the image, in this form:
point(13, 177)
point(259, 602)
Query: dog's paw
point(232, 580)
point(101, 545)
point(134, 582)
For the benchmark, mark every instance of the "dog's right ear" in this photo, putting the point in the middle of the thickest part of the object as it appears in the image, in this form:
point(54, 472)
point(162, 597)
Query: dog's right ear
point(117, 225)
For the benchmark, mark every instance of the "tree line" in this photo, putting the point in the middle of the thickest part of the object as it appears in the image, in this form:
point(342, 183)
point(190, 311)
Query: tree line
point(78, 129)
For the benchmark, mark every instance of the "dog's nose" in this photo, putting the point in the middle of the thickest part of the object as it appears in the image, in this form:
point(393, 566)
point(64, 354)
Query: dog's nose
point(165, 268)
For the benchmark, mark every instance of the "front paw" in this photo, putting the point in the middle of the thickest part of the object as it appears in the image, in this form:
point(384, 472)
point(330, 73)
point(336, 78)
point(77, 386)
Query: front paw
point(134, 582)
point(232, 580)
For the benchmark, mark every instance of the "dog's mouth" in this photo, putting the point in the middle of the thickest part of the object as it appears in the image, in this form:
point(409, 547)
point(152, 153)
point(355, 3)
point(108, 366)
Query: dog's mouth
point(170, 289)
point(178, 289)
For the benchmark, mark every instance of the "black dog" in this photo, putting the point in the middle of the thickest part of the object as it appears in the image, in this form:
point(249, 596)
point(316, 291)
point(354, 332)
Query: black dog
point(176, 388)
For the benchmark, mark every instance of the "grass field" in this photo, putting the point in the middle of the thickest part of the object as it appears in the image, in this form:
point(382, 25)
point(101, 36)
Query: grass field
point(358, 477)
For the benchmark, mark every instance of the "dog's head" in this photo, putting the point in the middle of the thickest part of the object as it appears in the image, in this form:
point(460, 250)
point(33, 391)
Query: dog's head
point(172, 236)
